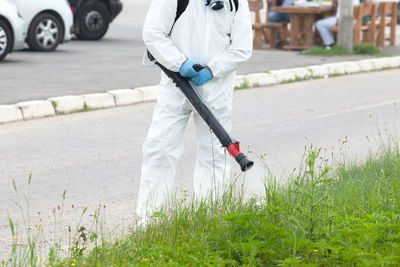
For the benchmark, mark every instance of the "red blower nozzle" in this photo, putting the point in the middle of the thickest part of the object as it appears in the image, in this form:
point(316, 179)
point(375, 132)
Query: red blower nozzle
point(244, 162)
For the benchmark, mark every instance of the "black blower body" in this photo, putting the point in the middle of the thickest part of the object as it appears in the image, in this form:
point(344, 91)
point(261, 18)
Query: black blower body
point(197, 102)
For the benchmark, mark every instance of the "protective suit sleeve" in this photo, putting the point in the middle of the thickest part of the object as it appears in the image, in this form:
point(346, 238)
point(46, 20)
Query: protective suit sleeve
point(158, 23)
point(241, 44)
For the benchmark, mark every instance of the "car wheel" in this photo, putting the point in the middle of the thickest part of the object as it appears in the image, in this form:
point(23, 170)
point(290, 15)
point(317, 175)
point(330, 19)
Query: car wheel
point(44, 33)
point(5, 39)
point(93, 20)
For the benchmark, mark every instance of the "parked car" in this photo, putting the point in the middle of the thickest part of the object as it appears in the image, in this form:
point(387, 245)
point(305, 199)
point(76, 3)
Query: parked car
point(92, 17)
point(12, 29)
point(398, 12)
point(48, 22)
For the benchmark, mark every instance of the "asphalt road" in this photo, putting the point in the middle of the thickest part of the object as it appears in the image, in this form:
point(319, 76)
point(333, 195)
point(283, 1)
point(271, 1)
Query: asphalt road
point(96, 156)
point(79, 67)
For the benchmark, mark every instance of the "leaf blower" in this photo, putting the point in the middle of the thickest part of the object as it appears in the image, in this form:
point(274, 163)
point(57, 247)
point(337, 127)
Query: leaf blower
point(198, 103)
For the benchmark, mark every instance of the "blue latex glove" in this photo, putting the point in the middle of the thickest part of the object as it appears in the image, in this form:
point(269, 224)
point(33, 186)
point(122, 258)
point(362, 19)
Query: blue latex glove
point(187, 69)
point(202, 77)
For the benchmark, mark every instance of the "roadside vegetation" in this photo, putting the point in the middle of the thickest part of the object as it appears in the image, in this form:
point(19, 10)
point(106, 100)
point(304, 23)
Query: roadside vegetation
point(346, 216)
point(361, 49)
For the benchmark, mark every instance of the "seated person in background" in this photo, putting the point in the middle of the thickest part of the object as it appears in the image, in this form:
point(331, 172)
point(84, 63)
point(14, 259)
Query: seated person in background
point(278, 16)
point(324, 26)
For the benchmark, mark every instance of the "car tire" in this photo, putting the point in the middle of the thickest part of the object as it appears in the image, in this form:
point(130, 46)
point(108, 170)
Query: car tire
point(45, 33)
point(5, 40)
point(93, 19)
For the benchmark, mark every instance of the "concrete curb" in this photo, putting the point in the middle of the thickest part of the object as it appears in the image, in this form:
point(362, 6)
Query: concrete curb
point(150, 93)
point(67, 104)
point(122, 97)
point(259, 79)
point(9, 113)
point(100, 100)
point(36, 109)
point(318, 70)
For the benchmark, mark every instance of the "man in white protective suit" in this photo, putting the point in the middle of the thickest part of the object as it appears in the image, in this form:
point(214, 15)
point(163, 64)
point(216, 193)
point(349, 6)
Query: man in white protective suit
point(219, 39)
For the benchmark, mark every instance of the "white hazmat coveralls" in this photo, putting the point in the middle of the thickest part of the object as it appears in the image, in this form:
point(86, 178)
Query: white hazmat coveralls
point(221, 40)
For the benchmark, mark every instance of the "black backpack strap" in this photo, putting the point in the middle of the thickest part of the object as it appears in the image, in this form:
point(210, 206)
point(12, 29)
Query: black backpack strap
point(236, 3)
point(182, 5)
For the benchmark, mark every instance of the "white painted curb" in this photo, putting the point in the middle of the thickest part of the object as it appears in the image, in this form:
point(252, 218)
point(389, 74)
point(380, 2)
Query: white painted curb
point(336, 68)
point(150, 93)
point(240, 81)
point(283, 75)
point(36, 109)
point(67, 104)
point(394, 62)
point(381, 63)
point(9, 113)
point(301, 73)
point(318, 70)
point(124, 97)
point(101, 100)
point(351, 67)
point(120, 97)
point(261, 79)
point(367, 65)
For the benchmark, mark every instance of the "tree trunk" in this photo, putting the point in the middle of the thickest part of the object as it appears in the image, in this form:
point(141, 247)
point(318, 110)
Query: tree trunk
point(345, 35)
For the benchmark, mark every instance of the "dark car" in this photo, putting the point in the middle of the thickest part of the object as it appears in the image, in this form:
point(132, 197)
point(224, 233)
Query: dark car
point(398, 13)
point(92, 17)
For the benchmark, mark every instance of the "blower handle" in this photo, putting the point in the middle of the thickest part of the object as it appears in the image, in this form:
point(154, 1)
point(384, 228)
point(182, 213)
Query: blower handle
point(198, 67)
point(198, 103)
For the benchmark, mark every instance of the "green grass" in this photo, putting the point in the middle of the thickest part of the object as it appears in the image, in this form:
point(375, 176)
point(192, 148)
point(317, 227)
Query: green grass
point(321, 51)
point(54, 103)
point(347, 216)
point(366, 49)
point(361, 49)
point(244, 85)
point(299, 79)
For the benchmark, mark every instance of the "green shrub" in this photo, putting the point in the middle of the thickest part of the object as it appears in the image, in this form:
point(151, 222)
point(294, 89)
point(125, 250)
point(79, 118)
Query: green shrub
point(367, 49)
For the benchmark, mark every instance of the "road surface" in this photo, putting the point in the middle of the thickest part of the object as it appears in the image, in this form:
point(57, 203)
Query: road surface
point(96, 156)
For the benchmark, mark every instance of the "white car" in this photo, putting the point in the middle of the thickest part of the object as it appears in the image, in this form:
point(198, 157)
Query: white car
point(12, 29)
point(48, 22)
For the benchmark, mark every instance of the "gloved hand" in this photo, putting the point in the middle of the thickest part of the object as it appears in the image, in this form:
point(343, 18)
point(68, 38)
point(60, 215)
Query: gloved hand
point(202, 76)
point(187, 69)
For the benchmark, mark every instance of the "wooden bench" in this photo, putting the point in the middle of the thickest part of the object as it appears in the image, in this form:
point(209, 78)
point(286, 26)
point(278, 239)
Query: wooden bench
point(387, 8)
point(367, 32)
point(268, 30)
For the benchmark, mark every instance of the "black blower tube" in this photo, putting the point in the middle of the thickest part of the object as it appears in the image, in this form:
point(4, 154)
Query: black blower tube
point(195, 99)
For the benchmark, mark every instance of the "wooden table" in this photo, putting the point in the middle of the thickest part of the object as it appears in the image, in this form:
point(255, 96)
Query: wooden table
point(301, 24)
